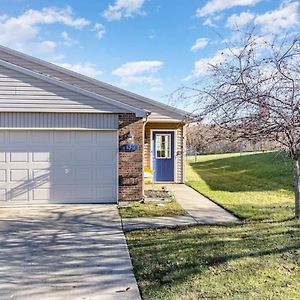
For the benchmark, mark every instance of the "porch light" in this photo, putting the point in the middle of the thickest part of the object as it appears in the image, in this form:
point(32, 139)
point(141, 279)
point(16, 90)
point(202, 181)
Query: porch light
point(129, 138)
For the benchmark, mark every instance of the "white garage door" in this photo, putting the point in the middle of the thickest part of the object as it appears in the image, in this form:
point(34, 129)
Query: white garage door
point(44, 167)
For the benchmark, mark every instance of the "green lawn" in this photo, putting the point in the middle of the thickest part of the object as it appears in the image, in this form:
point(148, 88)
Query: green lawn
point(169, 208)
point(258, 258)
point(253, 186)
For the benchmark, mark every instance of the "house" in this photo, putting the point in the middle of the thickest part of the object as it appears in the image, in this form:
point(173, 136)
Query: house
point(68, 138)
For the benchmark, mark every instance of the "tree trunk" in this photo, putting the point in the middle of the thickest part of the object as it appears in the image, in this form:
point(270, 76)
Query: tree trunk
point(297, 187)
point(241, 148)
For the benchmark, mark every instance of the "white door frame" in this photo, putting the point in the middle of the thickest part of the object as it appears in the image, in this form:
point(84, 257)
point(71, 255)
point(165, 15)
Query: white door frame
point(175, 151)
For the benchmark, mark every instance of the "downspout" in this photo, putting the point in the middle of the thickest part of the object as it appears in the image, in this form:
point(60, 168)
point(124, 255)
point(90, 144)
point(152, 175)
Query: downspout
point(184, 129)
point(145, 121)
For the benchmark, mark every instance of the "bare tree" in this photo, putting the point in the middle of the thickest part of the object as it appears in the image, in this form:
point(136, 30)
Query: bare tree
point(193, 142)
point(199, 138)
point(254, 93)
point(208, 139)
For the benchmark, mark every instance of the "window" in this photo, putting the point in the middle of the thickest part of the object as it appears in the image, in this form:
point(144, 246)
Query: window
point(163, 146)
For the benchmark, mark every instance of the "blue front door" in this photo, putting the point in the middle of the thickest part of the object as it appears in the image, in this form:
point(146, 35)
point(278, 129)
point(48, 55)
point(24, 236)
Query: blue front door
point(163, 155)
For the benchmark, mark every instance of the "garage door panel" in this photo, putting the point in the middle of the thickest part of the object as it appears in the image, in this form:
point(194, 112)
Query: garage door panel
point(82, 138)
point(41, 184)
point(105, 155)
point(39, 137)
point(41, 194)
point(60, 137)
point(19, 157)
point(41, 178)
point(106, 193)
point(84, 175)
point(86, 192)
point(105, 138)
point(63, 175)
point(40, 156)
point(2, 194)
point(18, 137)
point(17, 194)
point(105, 174)
point(2, 156)
point(2, 137)
point(61, 193)
point(85, 155)
point(41, 174)
point(3, 175)
point(61, 156)
point(58, 167)
point(19, 175)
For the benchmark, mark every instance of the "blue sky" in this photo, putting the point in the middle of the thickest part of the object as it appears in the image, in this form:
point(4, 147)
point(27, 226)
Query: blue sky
point(150, 47)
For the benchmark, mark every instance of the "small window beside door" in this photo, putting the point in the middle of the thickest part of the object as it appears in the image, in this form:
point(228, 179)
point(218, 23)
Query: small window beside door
point(163, 146)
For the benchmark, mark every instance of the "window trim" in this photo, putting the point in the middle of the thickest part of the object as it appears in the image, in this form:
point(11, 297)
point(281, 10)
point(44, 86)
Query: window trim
point(169, 152)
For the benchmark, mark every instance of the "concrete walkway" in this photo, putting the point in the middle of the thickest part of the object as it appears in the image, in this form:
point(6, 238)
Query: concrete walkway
point(200, 210)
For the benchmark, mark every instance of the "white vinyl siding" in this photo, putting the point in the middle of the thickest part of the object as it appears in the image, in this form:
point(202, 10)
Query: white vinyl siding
point(158, 112)
point(58, 120)
point(180, 155)
point(20, 92)
point(47, 167)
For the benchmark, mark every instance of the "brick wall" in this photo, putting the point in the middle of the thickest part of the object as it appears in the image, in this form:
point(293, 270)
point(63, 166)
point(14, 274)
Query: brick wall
point(131, 163)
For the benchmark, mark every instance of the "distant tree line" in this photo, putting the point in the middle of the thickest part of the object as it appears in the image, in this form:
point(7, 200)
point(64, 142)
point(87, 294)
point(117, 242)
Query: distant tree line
point(206, 139)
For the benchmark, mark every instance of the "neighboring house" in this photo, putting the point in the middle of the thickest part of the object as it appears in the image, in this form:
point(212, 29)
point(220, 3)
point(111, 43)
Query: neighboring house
point(68, 138)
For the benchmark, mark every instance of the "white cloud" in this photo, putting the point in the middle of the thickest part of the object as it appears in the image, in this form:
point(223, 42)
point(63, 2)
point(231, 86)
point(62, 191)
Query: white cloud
point(57, 58)
point(208, 22)
point(199, 44)
point(218, 17)
point(139, 72)
point(45, 46)
point(123, 9)
point(141, 79)
point(100, 30)
point(156, 89)
point(214, 6)
point(87, 69)
point(203, 65)
point(138, 67)
point(22, 32)
point(3, 18)
point(283, 18)
point(68, 41)
point(238, 21)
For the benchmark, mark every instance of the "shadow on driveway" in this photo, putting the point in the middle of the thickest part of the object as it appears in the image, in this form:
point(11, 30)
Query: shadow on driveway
point(64, 252)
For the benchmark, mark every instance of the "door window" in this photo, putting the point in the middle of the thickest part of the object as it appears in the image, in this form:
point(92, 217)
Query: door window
point(163, 146)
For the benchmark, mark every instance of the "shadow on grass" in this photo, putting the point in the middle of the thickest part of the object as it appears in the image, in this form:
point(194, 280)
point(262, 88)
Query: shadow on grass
point(255, 172)
point(160, 262)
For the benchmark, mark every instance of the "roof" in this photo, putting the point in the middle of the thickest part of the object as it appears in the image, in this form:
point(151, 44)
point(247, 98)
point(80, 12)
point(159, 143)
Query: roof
point(159, 111)
point(122, 106)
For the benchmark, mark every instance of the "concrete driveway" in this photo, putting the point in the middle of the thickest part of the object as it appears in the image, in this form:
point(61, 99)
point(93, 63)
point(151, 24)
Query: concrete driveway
point(64, 252)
